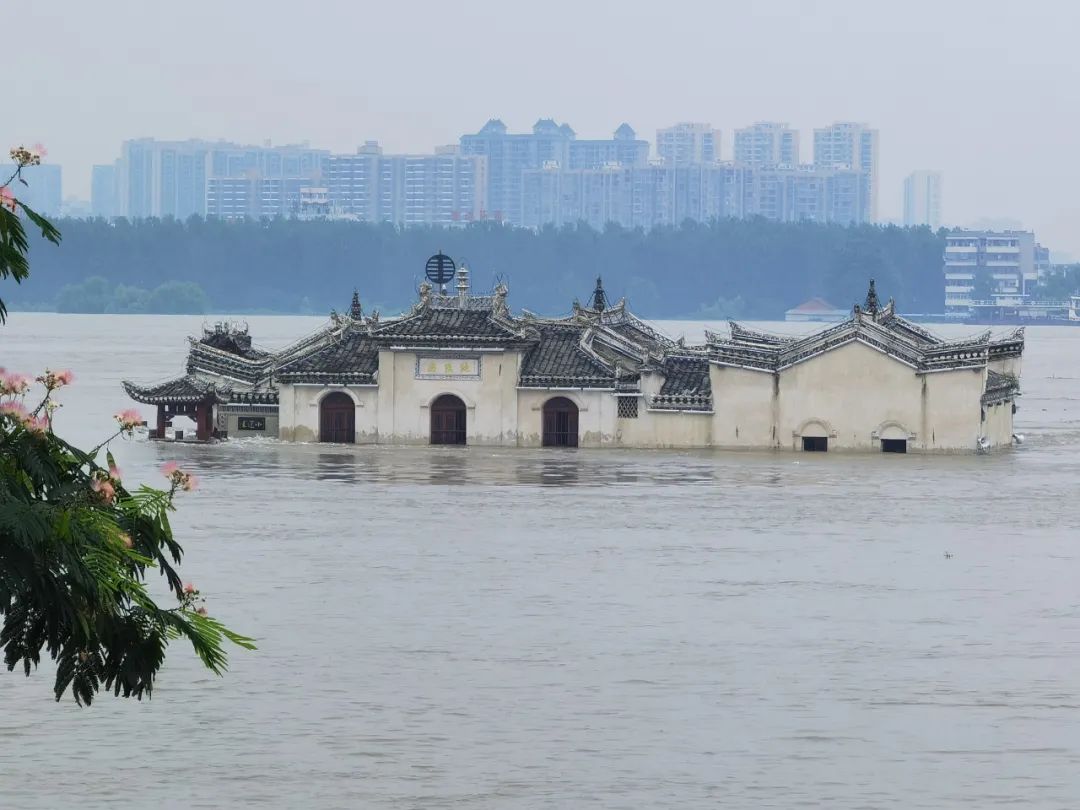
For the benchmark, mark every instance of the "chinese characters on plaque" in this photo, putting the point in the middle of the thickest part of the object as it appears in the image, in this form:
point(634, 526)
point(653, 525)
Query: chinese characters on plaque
point(444, 368)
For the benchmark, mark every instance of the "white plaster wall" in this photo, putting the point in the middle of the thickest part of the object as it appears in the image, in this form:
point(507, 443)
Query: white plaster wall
point(998, 427)
point(745, 408)
point(287, 413)
point(665, 429)
point(651, 383)
point(854, 391)
point(298, 411)
point(846, 394)
point(596, 415)
point(952, 410)
point(404, 413)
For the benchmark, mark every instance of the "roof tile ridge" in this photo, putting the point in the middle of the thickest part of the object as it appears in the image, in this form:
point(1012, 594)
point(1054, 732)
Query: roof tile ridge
point(911, 326)
point(199, 346)
point(806, 341)
point(585, 345)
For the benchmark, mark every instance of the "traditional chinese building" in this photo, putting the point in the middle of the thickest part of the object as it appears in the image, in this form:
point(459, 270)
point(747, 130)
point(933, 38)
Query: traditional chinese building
point(462, 369)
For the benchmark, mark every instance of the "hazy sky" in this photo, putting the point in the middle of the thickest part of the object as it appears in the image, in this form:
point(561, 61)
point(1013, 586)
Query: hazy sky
point(984, 90)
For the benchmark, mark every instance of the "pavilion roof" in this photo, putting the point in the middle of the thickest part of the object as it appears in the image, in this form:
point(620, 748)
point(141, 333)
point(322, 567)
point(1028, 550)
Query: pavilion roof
point(191, 389)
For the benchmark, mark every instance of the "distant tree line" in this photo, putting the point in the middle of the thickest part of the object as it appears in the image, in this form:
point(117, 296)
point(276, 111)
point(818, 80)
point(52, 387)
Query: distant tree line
point(739, 268)
point(98, 295)
point(1062, 281)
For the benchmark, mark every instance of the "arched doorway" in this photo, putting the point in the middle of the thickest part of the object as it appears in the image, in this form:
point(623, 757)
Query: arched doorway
point(448, 420)
point(560, 423)
point(337, 419)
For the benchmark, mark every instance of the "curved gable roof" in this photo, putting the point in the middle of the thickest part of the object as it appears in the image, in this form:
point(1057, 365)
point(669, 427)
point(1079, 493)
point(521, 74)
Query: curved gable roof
point(558, 359)
point(353, 359)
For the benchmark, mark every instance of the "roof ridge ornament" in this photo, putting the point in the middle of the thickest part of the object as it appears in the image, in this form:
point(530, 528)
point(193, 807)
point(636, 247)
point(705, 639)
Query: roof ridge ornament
point(599, 300)
point(498, 302)
point(356, 312)
point(462, 282)
point(440, 270)
point(871, 306)
point(424, 291)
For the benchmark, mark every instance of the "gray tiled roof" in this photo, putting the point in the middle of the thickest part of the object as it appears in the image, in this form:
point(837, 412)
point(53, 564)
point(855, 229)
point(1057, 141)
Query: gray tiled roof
point(233, 343)
point(999, 387)
point(686, 375)
point(447, 324)
point(183, 389)
point(558, 360)
point(190, 389)
point(353, 359)
point(686, 385)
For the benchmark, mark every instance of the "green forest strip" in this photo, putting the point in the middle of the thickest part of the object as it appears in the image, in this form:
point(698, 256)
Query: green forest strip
point(728, 268)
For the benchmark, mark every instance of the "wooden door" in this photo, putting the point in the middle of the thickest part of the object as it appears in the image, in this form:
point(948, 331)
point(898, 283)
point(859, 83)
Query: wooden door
point(448, 424)
point(560, 423)
point(337, 419)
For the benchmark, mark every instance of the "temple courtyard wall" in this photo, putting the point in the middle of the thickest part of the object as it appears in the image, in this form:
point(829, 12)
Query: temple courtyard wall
point(853, 396)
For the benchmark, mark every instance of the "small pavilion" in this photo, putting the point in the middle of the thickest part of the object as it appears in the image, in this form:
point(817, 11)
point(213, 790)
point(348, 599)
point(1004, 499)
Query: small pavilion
point(185, 396)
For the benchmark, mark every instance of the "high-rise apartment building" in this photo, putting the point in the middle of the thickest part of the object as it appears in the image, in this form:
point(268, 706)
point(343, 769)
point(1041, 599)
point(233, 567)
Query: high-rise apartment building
point(354, 181)
point(767, 143)
point(43, 191)
point(687, 143)
point(661, 195)
point(103, 202)
point(446, 188)
point(162, 178)
point(808, 194)
point(254, 196)
point(509, 155)
point(171, 178)
point(922, 199)
point(848, 145)
point(624, 149)
point(989, 266)
point(549, 144)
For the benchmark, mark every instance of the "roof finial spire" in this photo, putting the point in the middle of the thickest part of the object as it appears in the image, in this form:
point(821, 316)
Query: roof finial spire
point(599, 298)
point(463, 281)
point(356, 312)
point(871, 305)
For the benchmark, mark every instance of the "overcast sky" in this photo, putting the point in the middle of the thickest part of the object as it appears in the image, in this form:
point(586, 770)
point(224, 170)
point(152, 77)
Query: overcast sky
point(984, 90)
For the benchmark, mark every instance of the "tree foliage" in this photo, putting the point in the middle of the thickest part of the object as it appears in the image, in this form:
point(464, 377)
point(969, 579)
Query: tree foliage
point(1061, 283)
point(289, 265)
point(75, 548)
point(14, 245)
point(97, 295)
point(76, 544)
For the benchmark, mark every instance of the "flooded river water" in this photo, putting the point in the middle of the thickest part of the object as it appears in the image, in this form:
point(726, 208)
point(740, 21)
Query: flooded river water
point(499, 628)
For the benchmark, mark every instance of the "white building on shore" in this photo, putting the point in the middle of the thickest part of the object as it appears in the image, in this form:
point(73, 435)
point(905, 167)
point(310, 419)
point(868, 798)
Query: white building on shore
point(462, 369)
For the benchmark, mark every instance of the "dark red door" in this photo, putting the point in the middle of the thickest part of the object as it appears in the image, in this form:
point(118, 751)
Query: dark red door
point(448, 420)
point(337, 419)
point(560, 423)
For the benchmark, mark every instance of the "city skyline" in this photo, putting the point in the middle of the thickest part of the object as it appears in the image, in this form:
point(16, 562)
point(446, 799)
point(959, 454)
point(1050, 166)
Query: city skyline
point(546, 175)
point(766, 150)
point(905, 71)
